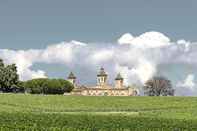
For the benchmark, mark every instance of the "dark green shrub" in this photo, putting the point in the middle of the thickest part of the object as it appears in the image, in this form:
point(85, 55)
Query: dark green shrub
point(48, 86)
point(35, 86)
point(67, 86)
point(18, 88)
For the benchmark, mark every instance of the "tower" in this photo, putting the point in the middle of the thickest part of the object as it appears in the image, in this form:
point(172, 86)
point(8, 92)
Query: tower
point(101, 77)
point(71, 78)
point(119, 81)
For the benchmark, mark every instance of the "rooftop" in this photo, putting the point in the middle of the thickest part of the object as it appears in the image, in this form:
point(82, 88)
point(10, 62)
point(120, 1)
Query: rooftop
point(102, 72)
point(119, 77)
point(71, 76)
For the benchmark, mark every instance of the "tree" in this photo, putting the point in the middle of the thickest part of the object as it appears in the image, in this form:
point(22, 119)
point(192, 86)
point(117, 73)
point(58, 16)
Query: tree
point(57, 86)
point(1, 73)
point(48, 86)
point(158, 86)
point(35, 86)
point(67, 86)
point(19, 88)
point(8, 77)
point(1, 63)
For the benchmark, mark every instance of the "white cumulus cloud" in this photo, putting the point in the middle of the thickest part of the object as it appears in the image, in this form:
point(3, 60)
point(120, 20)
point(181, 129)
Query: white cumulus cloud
point(102, 55)
point(188, 86)
point(188, 82)
point(147, 40)
point(127, 38)
point(136, 58)
point(24, 59)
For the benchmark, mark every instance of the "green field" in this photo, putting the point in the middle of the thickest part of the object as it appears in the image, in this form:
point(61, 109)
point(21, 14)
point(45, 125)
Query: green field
point(50, 112)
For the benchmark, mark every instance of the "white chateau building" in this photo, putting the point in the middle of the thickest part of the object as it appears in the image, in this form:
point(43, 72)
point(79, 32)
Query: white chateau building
point(102, 88)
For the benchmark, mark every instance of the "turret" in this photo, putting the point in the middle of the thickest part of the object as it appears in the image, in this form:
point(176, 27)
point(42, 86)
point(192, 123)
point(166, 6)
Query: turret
point(119, 81)
point(71, 78)
point(101, 77)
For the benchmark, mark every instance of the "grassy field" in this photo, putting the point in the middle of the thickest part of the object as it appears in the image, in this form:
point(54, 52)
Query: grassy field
point(39, 112)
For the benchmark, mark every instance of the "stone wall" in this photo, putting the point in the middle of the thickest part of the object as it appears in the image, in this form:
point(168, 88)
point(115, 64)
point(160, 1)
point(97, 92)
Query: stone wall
point(107, 92)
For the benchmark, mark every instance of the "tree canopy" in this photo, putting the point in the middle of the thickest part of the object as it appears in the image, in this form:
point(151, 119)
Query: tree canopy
point(158, 86)
point(8, 77)
point(48, 86)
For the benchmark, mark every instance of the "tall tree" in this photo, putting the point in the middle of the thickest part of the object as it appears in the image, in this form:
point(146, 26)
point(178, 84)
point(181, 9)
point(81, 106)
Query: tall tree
point(8, 77)
point(158, 86)
point(2, 70)
point(1, 63)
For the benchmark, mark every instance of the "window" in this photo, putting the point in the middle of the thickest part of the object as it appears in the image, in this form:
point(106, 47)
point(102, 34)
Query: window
point(106, 94)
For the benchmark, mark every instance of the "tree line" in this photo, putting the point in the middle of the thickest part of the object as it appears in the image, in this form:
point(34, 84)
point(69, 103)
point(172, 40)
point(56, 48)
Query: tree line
point(9, 82)
point(48, 86)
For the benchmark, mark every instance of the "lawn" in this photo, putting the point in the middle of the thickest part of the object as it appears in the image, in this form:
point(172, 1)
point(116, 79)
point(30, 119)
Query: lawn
point(55, 112)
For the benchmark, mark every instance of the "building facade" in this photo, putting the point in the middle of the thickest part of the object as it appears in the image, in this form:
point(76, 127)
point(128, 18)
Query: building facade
point(102, 88)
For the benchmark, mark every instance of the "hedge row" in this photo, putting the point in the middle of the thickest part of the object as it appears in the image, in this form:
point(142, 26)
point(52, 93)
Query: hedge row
point(47, 86)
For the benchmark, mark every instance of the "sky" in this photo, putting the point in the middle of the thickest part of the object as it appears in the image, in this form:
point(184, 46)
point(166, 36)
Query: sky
point(51, 38)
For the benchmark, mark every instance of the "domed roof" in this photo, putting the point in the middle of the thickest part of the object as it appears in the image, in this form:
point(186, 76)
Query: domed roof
point(119, 77)
point(71, 76)
point(102, 72)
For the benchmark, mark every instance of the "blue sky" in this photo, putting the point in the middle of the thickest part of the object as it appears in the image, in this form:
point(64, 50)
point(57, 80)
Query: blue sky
point(36, 23)
point(49, 26)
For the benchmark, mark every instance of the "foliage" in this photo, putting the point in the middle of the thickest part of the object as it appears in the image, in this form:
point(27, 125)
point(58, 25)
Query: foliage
point(58, 113)
point(57, 86)
point(48, 86)
point(1, 63)
point(158, 86)
point(35, 86)
point(8, 77)
point(20, 87)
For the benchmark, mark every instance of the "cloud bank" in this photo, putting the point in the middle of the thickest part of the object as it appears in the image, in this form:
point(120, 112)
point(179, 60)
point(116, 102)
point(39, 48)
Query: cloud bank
point(138, 58)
